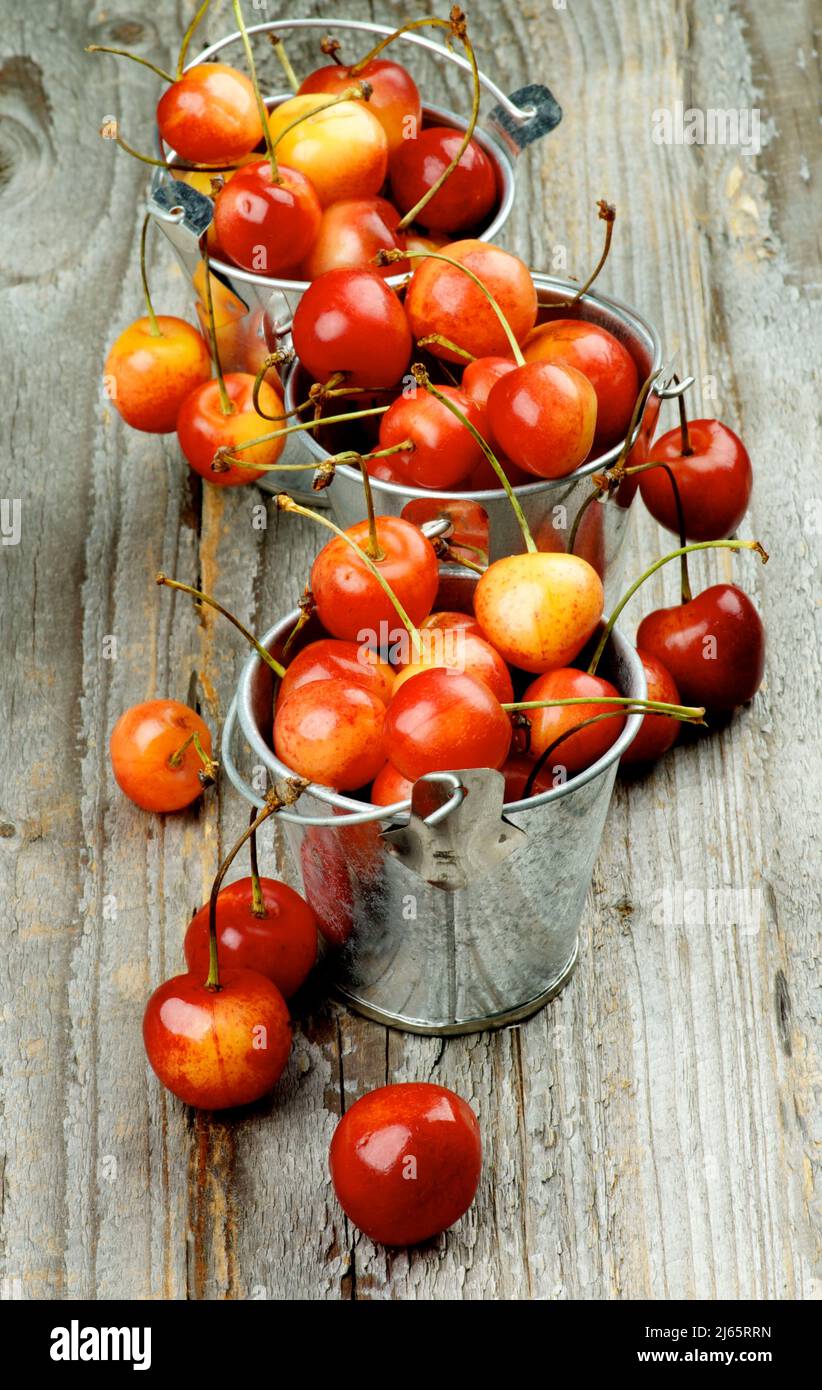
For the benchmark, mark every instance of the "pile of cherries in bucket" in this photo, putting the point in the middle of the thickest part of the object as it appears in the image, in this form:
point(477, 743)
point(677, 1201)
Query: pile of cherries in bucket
point(445, 382)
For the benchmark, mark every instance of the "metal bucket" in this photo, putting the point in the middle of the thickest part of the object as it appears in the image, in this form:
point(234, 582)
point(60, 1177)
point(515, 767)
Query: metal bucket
point(451, 913)
point(550, 506)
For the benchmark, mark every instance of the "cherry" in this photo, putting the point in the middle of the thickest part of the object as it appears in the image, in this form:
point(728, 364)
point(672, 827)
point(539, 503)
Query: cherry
point(155, 755)
point(459, 650)
point(517, 770)
point(467, 196)
point(603, 359)
point(328, 659)
point(327, 883)
point(343, 150)
point(543, 418)
point(434, 241)
point(442, 719)
point(350, 234)
point(539, 610)
point(389, 787)
point(204, 426)
point(277, 936)
point(482, 374)
point(266, 222)
point(209, 115)
point(656, 732)
point(468, 537)
point(350, 601)
point(394, 100)
point(217, 1048)
point(713, 474)
point(350, 321)
point(416, 1130)
point(713, 646)
point(442, 300)
point(330, 731)
point(443, 452)
point(582, 749)
point(446, 620)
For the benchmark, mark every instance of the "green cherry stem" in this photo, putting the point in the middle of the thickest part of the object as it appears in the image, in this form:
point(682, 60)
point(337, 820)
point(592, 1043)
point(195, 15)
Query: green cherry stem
point(607, 213)
point(156, 331)
point(213, 978)
point(230, 456)
point(528, 789)
point(201, 597)
point(684, 577)
point(421, 377)
point(226, 404)
point(387, 257)
point(261, 108)
point(692, 713)
point(284, 61)
point(135, 58)
point(657, 565)
point(441, 341)
point(188, 35)
point(287, 504)
point(258, 908)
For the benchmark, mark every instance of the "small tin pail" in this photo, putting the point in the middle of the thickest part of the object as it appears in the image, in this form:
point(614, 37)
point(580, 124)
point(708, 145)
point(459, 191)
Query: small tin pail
point(550, 506)
point(450, 913)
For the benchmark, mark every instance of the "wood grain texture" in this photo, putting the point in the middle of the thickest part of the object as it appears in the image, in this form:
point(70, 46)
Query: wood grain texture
point(655, 1131)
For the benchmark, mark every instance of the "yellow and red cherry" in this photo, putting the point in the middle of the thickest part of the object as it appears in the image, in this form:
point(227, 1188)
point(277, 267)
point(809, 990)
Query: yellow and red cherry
point(444, 452)
point(468, 194)
point(539, 610)
point(603, 359)
point(543, 418)
point(267, 223)
point(155, 758)
point(349, 236)
point(714, 476)
point(329, 658)
point(331, 731)
point(394, 100)
point(577, 750)
point(351, 604)
point(203, 427)
point(442, 719)
point(210, 115)
point(149, 374)
point(441, 300)
point(657, 733)
point(459, 650)
point(218, 1048)
point(350, 321)
point(343, 151)
point(277, 936)
point(389, 787)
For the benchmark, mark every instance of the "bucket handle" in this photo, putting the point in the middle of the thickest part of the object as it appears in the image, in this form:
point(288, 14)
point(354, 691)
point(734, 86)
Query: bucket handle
point(400, 809)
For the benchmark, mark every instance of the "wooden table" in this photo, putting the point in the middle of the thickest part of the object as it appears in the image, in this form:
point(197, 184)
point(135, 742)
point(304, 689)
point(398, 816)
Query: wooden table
point(653, 1131)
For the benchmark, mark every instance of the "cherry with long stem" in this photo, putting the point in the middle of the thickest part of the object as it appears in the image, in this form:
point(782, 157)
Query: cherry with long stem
point(258, 906)
point(657, 565)
point(156, 331)
point(226, 456)
point(135, 58)
point(208, 773)
point(201, 597)
point(179, 167)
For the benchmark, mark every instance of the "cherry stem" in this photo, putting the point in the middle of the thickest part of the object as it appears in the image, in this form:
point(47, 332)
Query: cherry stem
point(421, 377)
point(692, 713)
point(261, 109)
point(307, 607)
point(387, 256)
point(607, 212)
point(230, 456)
point(226, 404)
point(213, 977)
point(686, 447)
point(212, 603)
point(528, 789)
point(684, 577)
point(442, 341)
point(179, 168)
point(611, 480)
point(578, 518)
point(210, 767)
point(135, 58)
point(152, 317)
point(287, 504)
point(188, 35)
point(657, 565)
point(330, 48)
point(273, 359)
point(285, 62)
point(258, 907)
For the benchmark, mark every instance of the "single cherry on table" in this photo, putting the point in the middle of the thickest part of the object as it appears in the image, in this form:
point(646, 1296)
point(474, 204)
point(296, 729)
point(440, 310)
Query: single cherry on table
point(161, 755)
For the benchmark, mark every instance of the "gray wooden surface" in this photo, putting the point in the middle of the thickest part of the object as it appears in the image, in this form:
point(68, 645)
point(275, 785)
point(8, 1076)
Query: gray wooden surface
point(653, 1132)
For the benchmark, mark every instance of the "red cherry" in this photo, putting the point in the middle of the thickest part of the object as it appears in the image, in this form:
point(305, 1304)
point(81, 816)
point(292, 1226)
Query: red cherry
point(459, 650)
point(281, 944)
point(148, 377)
point(543, 418)
point(350, 321)
point(482, 374)
point(444, 451)
point(350, 602)
point(441, 299)
point(657, 733)
point(469, 522)
point(516, 770)
point(405, 1162)
point(327, 883)
point(202, 428)
point(394, 100)
point(350, 235)
point(713, 646)
point(441, 720)
point(217, 1048)
point(390, 787)
point(539, 610)
point(468, 194)
point(153, 757)
point(446, 620)
point(603, 359)
point(267, 226)
point(328, 658)
point(578, 751)
point(209, 115)
point(331, 732)
point(714, 481)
